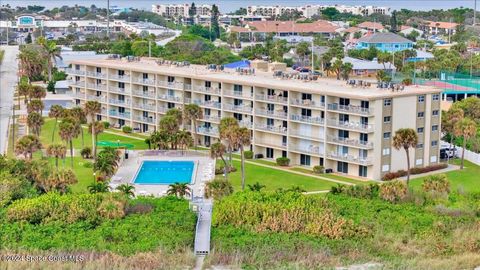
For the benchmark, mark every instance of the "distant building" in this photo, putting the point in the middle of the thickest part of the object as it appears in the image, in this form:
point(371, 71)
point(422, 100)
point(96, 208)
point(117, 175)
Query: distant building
point(371, 26)
point(438, 28)
point(407, 30)
point(271, 11)
point(309, 11)
point(181, 10)
point(387, 42)
point(367, 68)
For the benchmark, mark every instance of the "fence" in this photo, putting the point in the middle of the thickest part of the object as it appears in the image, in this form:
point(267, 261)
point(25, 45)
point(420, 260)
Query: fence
point(469, 155)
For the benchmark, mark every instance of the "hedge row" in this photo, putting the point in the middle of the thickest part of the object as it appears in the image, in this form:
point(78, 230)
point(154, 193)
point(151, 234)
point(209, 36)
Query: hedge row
point(401, 173)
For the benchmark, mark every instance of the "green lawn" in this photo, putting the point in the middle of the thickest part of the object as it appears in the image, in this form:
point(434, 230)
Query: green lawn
point(275, 179)
point(331, 176)
point(467, 179)
point(47, 130)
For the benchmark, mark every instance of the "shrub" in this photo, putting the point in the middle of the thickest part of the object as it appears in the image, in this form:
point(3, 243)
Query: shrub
point(318, 169)
point(248, 154)
point(283, 161)
point(86, 152)
point(112, 207)
point(418, 170)
point(138, 208)
point(218, 188)
point(88, 164)
point(358, 191)
point(407, 81)
point(126, 129)
point(106, 124)
point(393, 191)
point(436, 183)
point(221, 170)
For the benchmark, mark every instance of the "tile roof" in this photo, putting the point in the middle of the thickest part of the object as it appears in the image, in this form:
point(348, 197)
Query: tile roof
point(384, 38)
point(371, 25)
point(445, 25)
point(320, 26)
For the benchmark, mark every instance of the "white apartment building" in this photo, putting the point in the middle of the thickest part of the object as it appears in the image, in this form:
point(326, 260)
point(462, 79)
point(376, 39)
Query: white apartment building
point(311, 10)
point(181, 10)
point(346, 127)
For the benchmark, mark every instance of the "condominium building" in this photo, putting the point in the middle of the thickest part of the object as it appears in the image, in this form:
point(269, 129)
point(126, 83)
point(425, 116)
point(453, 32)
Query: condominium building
point(181, 10)
point(309, 11)
point(346, 127)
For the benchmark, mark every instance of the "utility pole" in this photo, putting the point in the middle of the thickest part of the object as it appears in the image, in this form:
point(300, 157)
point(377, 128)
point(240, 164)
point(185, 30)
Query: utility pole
point(313, 64)
point(474, 12)
point(149, 48)
point(13, 128)
point(108, 18)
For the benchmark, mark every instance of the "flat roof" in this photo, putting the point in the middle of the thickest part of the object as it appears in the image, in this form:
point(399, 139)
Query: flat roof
point(325, 86)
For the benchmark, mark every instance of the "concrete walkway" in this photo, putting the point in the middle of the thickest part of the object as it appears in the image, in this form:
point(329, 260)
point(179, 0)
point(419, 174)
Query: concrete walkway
point(8, 78)
point(202, 230)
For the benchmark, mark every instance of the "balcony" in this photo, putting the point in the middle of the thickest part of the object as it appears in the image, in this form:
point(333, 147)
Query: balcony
point(350, 142)
point(349, 158)
point(271, 98)
point(307, 103)
point(119, 102)
point(97, 98)
point(76, 83)
point(211, 118)
point(308, 149)
point(208, 104)
point(237, 108)
point(208, 90)
point(350, 109)
point(271, 128)
point(144, 81)
point(279, 113)
point(357, 126)
point(307, 119)
point(142, 93)
point(162, 109)
point(307, 134)
point(170, 98)
point(265, 143)
point(97, 86)
point(144, 106)
point(176, 85)
point(96, 74)
point(238, 94)
point(207, 131)
point(246, 124)
point(79, 95)
point(118, 90)
point(123, 78)
point(75, 71)
point(149, 120)
point(114, 113)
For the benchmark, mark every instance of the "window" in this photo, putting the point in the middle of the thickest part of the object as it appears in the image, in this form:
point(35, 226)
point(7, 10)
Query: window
point(387, 102)
point(434, 143)
point(420, 145)
point(420, 130)
point(342, 167)
point(435, 112)
point(387, 119)
point(419, 161)
point(433, 159)
point(421, 99)
point(362, 171)
point(434, 127)
point(386, 168)
point(436, 97)
point(386, 151)
point(386, 135)
point(420, 114)
point(305, 160)
point(269, 153)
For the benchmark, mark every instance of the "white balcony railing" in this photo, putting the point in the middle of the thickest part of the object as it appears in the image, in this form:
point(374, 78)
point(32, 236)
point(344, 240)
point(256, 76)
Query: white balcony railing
point(97, 86)
point(246, 124)
point(350, 142)
point(350, 109)
point(119, 102)
point(209, 103)
point(75, 71)
point(237, 108)
point(208, 131)
point(142, 93)
point(282, 145)
point(149, 120)
point(119, 114)
point(350, 158)
point(307, 134)
point(144, 81)
point(76, 83)
point(80, 95)
point(240, 94)
point(176, 85)
point(307, 103)
point(123, 78)
point(209, 90)
point(278, 113)
point(271, 128)
point(274, 98)
point(144, 106)
point(214, 118)
point(310, 149)
point(162, 109)
point(96, 74)
point(119, 90)
point(350, 125)
point(307, 119)
point(170, 98)
point(97, 98)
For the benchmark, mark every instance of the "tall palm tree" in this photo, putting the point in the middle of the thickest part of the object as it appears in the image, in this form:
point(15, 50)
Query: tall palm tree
point(217, 150)
point(449, 119)
point(466, 128)
point(99, 187)
point(79, 115)
point(99, 128)
point(180, 190)
point(27, 145)
point(193, 113)
point(56, 111)
point(52, 52)
point(169, 125)
point(177, 114)
point(243, 139)
point(184, 139)
point(35, 122)
point(92, 108)
point(405, 138)
point(23, 89)
point(57, 151)
point(228, 127)
point(159, 139)
point(37, 92)
point(107, 161)
point(68, 130)
point(35, 105)
point(127, 190)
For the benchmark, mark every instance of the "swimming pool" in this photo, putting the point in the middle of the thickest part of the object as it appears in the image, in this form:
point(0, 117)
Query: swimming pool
point(153, 172)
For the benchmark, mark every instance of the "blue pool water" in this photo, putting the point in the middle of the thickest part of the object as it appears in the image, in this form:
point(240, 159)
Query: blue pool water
point(164, 172)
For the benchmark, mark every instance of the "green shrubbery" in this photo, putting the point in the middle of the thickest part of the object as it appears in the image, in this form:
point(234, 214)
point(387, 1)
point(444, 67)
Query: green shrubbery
point(283, 161)
point(419, 170)
point(318, 169)
point(248, 154)
point(126, 129)
point(106, 124)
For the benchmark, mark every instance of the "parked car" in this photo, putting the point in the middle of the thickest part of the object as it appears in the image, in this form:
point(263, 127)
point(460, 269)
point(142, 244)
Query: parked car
point(448, 153)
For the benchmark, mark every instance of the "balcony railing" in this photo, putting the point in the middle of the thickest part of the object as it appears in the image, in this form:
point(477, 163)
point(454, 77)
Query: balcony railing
point(307, 103)
point(271, 128)
point(209, 104)
point(271, 98)
point(170, 98)
point(350, 109)
point(142, 93)
point(80, 95)
point(350, 142)
point(214, 118)
point(246, 124)
point(96, 98)
point(350, 125)
point(123, 78)
point(309, 135)
point(75, 71)
point(209, 90)
point(144, 81)
point(237, 108)
point(119, 114)
point(278, 113)
point(96, 74)
point(208, 131)
point(150, 119)
point(177, 85)
point(310, 149)
point(119, 102)
point(307, 119)
point(349, 158)
point(118, 90)
point(281, 145)
point(162, 109)
point(76, 83)
point(144, 106)
point(97, 86)
point(240, 94)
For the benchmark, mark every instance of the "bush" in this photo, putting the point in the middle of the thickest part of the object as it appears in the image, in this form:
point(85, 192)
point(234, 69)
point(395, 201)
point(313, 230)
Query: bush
point(393, 191)
point(218, 188)
point(88, 164)
point(138, 208)
point(106, 124)
point(126, 129)
point(86, 152)
point(221, 170)
point(248, 154)
point(358, 191)
point(318, 169)
point(418, 170)
point(436, 184)
point(283, 161)
point(407, 81)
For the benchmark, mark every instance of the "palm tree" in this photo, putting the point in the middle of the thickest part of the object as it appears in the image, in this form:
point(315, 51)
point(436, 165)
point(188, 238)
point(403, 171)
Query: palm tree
point(27, 145)
point(60, 180)
point(466, 128)
point(159, 139)
point(449, 120)
point(68, 130)
point(256, 187)
point(99, 128)
point(36, 105)
point(184, 139)
point(193, 112)
point(337, 67)
point(99, 187)
point(56, 111)
point(79, 115)
point(51, 53)
point(177, 114)
point(127, 190)
point(405, 138)
point(37, 92)
point(107, 161)
point(92, 108)
point(228, 127)
point(23, 89)
point(169, 125)
point(35, 122)
point(243, 138)
point(57, 151)
point(346, 70)
point(180, 190)
point(217, 150)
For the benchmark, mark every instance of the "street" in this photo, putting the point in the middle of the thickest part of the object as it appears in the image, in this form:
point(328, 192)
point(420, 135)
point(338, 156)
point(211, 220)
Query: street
point(8, 81)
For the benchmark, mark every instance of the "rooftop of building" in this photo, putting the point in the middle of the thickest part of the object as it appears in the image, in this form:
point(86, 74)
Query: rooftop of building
point(371, 25)
point(384, 38)
point(319, 26)
point(327, 86)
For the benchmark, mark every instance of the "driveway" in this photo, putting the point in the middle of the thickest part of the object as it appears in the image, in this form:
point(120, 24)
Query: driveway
point(8, 81)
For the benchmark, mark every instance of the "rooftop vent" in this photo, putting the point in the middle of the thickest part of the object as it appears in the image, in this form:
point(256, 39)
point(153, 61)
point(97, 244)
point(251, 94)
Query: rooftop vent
point(392, 86)
point(359, 83)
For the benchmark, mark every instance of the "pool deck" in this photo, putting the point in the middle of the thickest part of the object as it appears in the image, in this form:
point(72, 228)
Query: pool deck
point(204, 171)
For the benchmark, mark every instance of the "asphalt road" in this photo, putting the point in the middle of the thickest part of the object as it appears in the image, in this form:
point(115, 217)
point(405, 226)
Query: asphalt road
point(8, 81)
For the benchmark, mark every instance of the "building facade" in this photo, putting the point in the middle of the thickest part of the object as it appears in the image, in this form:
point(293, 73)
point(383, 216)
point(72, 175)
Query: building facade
point(343, 127)
point(387, 42)
point(181, 10)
